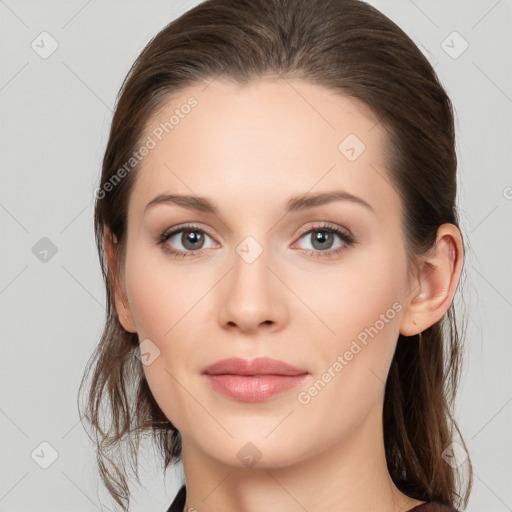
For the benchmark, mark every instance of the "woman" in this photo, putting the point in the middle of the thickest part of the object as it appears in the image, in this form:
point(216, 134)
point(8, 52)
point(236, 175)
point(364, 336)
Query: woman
point(277, 228)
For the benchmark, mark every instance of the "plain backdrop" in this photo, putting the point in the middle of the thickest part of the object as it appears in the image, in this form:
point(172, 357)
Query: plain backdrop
point(55, 116)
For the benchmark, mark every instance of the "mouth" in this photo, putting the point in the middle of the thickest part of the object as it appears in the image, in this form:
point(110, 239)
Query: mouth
point(252, 380)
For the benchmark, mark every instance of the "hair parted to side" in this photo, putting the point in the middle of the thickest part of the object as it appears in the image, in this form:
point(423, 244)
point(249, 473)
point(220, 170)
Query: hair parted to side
point(346, 46)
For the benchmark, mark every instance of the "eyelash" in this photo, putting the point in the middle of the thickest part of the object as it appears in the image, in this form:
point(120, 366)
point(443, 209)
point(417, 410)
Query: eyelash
point(347, 239)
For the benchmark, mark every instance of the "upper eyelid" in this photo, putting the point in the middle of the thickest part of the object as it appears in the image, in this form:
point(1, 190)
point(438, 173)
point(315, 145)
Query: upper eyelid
point(327, 226)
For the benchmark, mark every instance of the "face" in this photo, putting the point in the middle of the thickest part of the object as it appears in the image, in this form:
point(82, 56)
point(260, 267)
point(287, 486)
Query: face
point(264, 273)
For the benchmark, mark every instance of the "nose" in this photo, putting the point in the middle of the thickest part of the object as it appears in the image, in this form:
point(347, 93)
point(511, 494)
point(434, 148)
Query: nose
point(252, 297)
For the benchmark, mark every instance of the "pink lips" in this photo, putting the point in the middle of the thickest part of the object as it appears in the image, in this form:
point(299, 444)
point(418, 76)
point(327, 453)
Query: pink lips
point(252, 380)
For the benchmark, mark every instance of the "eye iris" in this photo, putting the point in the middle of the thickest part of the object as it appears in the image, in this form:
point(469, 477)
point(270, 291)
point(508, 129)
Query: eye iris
point(322, 237)
point(192, 237)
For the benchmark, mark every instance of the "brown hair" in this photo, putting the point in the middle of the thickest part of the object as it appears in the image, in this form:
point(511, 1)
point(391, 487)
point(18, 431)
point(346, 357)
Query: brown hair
point(346, 46)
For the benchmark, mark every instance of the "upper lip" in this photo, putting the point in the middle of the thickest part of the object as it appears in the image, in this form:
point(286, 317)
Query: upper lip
point(258, 366)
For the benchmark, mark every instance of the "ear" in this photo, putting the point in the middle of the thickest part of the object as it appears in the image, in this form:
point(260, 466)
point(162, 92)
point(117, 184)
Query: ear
point(120, 299)
point(435, 282)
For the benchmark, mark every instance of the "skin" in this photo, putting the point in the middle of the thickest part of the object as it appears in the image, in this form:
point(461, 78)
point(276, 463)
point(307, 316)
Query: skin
point(248, 149)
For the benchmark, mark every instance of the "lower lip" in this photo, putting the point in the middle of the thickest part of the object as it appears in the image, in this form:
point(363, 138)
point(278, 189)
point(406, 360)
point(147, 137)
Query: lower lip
point(250, 388)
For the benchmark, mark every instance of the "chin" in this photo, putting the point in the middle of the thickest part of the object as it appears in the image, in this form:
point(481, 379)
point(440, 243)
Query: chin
point(251, 449)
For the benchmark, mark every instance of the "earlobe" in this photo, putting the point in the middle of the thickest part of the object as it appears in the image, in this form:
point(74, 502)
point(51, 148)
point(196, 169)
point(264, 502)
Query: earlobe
point(118, 293)
point(435, 283)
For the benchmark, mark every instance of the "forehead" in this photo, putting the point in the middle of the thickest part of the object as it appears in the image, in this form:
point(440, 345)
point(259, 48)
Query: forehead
point(257, 143)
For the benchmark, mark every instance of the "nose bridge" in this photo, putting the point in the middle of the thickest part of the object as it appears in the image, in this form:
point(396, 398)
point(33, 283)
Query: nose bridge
point(250, 276)
point(252, 294)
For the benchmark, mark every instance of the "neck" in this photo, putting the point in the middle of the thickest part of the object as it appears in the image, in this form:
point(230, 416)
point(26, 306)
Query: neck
point(350, 476)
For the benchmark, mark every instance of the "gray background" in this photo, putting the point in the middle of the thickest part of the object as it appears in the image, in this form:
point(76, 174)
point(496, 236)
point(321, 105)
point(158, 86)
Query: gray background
point(55, 116)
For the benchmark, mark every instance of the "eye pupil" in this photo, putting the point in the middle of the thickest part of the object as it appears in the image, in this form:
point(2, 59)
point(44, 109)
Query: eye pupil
point(189, 238)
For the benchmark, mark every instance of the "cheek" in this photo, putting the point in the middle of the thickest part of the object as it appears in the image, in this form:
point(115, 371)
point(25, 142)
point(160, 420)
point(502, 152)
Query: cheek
point(168, 306)
point(363, 309)
point(361, 305)
point(160, 296)
point(162, 302)
point(347, 300)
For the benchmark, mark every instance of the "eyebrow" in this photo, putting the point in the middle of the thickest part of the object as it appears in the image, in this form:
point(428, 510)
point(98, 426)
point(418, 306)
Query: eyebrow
point(296, 203)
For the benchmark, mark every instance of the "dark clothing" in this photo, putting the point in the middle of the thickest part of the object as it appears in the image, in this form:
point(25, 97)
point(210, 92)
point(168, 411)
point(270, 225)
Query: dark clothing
point(179, 503)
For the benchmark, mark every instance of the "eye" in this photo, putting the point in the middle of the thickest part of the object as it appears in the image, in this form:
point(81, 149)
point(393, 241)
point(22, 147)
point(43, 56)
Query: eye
point(323, 238)
point(191, 238)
